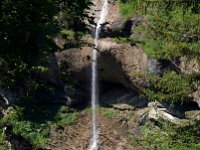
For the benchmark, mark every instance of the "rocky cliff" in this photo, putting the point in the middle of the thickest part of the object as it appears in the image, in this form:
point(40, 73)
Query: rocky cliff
point(118, 62)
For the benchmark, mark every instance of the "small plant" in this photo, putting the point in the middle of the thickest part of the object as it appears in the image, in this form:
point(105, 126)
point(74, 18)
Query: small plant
point(66, 119)
point(88, 110)
point(108, 112)
point(130, 40)
point(134, 139)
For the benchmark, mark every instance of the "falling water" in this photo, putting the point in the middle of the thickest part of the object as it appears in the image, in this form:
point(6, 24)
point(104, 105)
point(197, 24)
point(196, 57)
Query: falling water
point(94, 89)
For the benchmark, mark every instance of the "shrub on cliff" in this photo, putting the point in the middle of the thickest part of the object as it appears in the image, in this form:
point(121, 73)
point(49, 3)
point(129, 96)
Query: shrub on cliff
point(172, 33)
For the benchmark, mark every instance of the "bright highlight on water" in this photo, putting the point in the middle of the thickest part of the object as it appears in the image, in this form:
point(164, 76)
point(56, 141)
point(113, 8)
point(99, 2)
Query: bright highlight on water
point(94, 87)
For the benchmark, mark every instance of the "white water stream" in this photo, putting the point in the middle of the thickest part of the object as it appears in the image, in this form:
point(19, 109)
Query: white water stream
point(94, 86)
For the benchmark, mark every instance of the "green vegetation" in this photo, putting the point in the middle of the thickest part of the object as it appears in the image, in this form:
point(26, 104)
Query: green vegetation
point(171, 87)
point(172, 32)
point(108, 112)
point(28, 29)
point(3, 144)
point(65, 117)
point(28, 32)
point(127, 7)
point(167, 136)
point(130, 40)
point(88, 110)
point(35, 133)
point(35, 125)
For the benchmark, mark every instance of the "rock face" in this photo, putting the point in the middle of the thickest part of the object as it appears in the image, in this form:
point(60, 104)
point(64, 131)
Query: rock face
point(196, 96)
point(117, 62)
point(188, 67)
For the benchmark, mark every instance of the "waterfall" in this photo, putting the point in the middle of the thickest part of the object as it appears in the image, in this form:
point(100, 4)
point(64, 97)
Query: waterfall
point(94, 87)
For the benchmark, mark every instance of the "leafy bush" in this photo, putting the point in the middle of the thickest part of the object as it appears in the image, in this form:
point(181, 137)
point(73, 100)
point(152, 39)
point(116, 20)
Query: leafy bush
point(172, 32)
point(36, 134)
point(170, 87)
point(167, 136)
point(33, 122)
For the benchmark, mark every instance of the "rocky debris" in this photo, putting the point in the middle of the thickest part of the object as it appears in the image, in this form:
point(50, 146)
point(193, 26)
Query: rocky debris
point(154, 66)
point(175, 110)
point(193, 115)
point(123, 107)
point(156, 111)
point(78, 136)
point(188, 66)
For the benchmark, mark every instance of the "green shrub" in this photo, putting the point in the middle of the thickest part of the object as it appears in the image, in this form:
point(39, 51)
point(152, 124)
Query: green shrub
point(172, 32)
point(36, 134)
point(170, 87)
point(168, 136)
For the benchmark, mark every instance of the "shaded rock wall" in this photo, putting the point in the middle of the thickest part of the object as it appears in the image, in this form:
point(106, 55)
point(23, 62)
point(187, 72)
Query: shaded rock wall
point(117, 62)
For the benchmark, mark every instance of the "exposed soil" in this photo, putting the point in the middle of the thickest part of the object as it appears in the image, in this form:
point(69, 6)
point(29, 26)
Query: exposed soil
point(114, 132)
